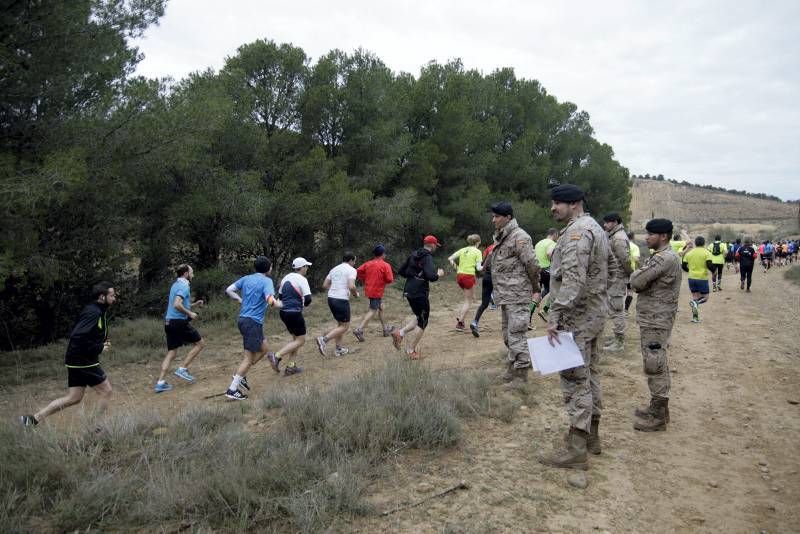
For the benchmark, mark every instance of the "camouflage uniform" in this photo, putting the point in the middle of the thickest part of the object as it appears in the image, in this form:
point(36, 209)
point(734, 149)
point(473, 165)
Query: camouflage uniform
point(658, 283)
point(618, 272)
point(515, 275)
point(579, 293)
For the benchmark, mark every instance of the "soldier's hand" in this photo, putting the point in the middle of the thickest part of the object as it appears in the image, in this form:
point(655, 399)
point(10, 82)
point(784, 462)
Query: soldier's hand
point(552, 334)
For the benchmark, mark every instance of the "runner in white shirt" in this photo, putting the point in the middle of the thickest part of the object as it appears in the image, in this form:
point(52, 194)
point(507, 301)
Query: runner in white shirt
point(340, 283)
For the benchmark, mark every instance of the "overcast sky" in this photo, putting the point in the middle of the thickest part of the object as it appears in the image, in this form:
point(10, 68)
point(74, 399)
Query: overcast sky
point(708, 93)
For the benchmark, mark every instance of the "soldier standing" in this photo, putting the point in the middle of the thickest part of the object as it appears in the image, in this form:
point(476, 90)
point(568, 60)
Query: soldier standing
point(515, 275)
point(579, 293)
point(658, 283)
point(618, 272)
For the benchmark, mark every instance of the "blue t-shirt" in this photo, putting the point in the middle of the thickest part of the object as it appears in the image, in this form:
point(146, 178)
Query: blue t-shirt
point(254, 289)
point(179, 288)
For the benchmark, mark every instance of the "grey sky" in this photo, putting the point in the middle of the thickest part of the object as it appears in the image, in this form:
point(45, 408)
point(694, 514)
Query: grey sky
point(703, 91)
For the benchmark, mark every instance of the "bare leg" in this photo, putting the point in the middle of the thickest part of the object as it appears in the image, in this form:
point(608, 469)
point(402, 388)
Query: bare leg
point(337, 333)
point(291, 348)
point(416, 338)
point(468, 298)
point(74, 396)
point(165, 365)
point(199, 346)
point(365, 321)
point(103, 390)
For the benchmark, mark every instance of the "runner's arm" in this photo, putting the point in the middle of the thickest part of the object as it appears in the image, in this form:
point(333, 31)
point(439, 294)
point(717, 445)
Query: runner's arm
point(231, 292)
point(327, 283)
point(178, 305)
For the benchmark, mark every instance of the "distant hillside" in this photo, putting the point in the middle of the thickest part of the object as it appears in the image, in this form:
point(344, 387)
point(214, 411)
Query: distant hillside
point(693, 207)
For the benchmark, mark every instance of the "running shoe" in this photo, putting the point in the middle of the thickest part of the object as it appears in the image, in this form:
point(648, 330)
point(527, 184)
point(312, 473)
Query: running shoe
point(695, 311)
point(244, 383)
point(182, 372)
point(359, 333)
point(695, 319)
point(473, 326)
point(342, 351)
point(274, 362)
point(235, 395)
point(388, 329)
point(493, 306)
point(28, 420)
point(460, 327)
point(741, 286)
point(161, 388)
point(292, 369)
point(321, 343)
point(414, 355)
point(397, 339)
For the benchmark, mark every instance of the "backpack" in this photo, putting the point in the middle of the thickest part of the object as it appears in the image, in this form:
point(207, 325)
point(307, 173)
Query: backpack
point(715, 249)
point(768, 248)
point(412, 266)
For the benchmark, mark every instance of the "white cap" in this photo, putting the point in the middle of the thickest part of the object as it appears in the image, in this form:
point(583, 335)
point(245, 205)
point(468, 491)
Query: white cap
point(300, 262)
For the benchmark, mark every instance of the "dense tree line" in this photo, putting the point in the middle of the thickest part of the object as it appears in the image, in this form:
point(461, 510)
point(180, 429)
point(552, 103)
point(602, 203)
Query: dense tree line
point(108, 175)
point(762, 196)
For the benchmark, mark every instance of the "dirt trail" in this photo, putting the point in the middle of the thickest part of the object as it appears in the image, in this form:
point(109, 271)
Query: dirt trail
point(729, 409)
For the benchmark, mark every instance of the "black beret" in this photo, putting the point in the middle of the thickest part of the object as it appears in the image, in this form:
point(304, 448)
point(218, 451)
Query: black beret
point(566, 193)
point(502, 208)
point(612, 217)
point(659, 226)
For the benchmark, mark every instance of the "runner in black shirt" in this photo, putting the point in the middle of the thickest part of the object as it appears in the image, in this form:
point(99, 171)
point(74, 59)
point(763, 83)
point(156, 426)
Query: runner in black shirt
point(746, 256)
point(89, 338)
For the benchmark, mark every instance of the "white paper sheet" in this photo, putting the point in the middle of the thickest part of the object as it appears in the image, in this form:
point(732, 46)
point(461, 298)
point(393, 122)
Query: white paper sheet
point(548, 359)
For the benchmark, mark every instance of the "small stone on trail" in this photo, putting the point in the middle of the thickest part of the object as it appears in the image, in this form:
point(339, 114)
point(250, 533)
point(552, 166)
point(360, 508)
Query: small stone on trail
point(523, 407)
point(764, 469)
point(723, 451)
point(763, 463)
point(713, 483)
point(793, 401)
point(776, 489)
point(333, 477)
point(424, 487)
point(547, 428)
point(766, 477)
point(578, 480)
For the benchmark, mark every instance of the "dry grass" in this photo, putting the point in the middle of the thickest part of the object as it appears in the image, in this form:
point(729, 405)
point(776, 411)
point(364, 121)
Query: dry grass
point(205, 468)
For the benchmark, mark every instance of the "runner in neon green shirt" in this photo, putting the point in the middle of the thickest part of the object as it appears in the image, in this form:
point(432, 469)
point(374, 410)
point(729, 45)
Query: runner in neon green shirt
point(544, 251)
point(678, 244)
point(469, 262)
point(718, 250)
point(697, 262)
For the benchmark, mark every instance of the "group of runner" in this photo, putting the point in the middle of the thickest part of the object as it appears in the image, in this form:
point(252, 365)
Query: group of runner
point(256, 294)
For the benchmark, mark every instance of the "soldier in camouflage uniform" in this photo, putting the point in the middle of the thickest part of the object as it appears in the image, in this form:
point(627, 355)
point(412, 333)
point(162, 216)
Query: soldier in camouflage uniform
point(658, 283)
point(515, 274)
point(579, 292)
point(619, 270)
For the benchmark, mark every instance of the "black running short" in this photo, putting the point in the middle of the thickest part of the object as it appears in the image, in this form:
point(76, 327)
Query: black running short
point(179, 333)
point(252, 334)
point(340, 308)
point(295, 323)
point(421, 307)
point(78, 377)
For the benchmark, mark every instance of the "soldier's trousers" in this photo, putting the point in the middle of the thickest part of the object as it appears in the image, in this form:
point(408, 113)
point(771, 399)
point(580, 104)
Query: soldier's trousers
point(583, 396)
point(654, 354)
point(616, 310)
point(515, 327)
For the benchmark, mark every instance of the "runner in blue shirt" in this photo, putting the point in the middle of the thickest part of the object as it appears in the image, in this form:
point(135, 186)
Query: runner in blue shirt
point(257, 294)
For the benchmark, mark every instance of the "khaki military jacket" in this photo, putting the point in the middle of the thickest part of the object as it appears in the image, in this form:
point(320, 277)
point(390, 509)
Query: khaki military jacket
point(579, 276)
point(658, 283)
point(515, 271)
point(619, 261)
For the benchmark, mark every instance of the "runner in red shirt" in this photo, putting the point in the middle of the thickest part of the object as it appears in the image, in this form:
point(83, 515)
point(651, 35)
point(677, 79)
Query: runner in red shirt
point(375, 274)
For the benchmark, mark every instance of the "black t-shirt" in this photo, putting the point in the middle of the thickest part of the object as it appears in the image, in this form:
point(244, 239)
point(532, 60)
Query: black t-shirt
point(747, 256)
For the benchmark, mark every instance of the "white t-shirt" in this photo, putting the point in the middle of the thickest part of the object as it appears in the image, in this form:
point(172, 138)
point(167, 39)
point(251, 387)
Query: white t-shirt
point(339, 277)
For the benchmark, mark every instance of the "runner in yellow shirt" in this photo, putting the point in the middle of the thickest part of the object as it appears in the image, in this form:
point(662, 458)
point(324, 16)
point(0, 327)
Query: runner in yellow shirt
point(697, 262)
point(469, 263)
point(718, 251)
